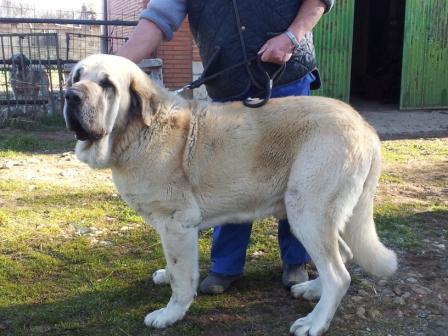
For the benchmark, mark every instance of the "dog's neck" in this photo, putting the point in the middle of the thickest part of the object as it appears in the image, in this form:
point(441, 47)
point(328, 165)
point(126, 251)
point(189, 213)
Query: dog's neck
point(20, 70)
point(136, 141)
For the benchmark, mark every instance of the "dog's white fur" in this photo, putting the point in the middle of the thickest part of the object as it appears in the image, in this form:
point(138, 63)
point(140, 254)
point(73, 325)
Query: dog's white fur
point(184, 166)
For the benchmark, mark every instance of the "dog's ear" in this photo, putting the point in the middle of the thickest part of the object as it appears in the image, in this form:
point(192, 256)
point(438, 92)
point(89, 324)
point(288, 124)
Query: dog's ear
point(145, 97)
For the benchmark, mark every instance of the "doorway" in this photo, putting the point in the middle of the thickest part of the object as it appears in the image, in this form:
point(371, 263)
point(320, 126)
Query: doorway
point(377, 52)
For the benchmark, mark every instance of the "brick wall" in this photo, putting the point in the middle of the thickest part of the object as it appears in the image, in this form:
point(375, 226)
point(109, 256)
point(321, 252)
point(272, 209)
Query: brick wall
point(196, 57)
point(177, 55)
point(122, 10)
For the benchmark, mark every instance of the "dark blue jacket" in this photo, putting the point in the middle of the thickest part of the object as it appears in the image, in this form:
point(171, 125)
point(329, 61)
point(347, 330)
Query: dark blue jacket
point(224, 40)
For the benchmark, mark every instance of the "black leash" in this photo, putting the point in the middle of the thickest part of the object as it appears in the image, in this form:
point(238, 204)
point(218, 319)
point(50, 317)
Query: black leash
point(269, 81)
point(201, 80)
point(253, 102)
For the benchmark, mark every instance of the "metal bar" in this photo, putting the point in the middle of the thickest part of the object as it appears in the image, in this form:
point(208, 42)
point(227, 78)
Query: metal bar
point(105, 41)
point(22, 101)
point(61, 79)
point(31, 56)
point(67, 44)
point(70, 21)
point(49, 93)
point(26, 34)
point(4, 72)
point(12, 53)
point(35, 62)
point(100, 36)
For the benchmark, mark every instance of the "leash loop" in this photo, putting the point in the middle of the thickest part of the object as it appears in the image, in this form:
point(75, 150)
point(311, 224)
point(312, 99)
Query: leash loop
point(250, 101)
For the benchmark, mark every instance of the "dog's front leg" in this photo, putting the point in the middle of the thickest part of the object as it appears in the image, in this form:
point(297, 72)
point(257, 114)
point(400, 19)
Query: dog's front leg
point(180, 246)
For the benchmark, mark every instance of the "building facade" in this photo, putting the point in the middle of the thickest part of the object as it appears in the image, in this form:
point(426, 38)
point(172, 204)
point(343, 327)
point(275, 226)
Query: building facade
point(388, 51)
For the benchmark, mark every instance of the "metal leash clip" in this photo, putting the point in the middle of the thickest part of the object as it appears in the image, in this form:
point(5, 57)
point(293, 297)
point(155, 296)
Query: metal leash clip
point(182, 89)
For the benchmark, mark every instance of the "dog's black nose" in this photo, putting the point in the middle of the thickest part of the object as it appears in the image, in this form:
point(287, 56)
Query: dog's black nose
point(72, 97)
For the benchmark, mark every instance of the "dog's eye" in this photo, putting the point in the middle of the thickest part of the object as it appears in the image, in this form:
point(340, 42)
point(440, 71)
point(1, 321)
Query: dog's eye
point(106, 83)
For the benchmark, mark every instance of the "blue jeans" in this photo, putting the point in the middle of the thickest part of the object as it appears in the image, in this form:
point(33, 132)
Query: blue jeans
point(230, 241)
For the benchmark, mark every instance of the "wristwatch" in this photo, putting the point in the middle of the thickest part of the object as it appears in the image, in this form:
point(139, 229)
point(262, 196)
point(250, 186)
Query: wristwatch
point(293, 39)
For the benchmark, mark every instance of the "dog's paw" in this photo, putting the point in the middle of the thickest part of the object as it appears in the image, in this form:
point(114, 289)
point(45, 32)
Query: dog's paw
point(164, 317)
point(161, 277)
point(309, 290)
point(306, 326)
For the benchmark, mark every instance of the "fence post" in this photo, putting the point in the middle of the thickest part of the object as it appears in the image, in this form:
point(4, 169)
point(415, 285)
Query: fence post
point(153, 68)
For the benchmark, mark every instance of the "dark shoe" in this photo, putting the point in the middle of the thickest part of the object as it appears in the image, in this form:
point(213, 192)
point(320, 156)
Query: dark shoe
point(217, 284)
point(294, 274)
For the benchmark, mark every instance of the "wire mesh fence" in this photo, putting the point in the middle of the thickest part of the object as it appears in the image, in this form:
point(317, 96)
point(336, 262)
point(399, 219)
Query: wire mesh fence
point(30, 75)
point(34, 53)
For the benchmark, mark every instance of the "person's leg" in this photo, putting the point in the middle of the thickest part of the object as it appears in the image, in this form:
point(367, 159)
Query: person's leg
point(229, 246)
point(230, 241)
point(293, 254)
point(228, 256)
point(291, 250)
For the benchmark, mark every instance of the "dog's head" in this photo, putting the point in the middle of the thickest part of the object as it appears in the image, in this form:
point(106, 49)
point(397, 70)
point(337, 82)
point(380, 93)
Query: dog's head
point(103, 92)
point(19, 61)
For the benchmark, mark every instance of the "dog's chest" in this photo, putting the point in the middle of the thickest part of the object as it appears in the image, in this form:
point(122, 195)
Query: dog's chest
point(147, 196)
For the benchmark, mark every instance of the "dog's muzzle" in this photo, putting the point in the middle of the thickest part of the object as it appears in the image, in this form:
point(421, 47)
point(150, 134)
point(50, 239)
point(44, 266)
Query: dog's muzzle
point(73, 101)
point(73, 98)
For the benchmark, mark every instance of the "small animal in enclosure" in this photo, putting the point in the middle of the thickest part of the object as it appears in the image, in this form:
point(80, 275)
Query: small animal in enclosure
point(29, 83)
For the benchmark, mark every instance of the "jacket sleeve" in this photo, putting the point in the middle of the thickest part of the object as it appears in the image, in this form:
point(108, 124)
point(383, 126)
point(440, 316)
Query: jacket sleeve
point(166, 14)
point(329, 4)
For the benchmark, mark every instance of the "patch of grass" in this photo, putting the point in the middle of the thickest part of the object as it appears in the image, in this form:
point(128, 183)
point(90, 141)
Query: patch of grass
point(407, 150)
point(403, 225)
point(440, 180)
point(390, 178)
point(22, 143)
point(46, 134)
point(13, 144)
point(76, 260)
point(44, 122)
point(49, 123)
point(398, 224)
point(57, 278)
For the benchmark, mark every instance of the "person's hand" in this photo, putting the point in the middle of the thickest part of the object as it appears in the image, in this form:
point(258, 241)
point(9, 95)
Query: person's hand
point(276, 50)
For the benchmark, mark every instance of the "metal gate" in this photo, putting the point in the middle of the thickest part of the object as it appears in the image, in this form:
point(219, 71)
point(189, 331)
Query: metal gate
point(424, 79)
point(30, 73)
point(333, 38)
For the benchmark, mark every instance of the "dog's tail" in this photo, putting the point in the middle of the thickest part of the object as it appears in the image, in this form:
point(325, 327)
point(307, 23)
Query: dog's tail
point(360, 232)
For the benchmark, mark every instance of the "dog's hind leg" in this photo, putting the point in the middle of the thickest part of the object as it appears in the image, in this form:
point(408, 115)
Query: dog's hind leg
point(320, 240)
point(323, 189)
point(180, 247)
point(312, 289)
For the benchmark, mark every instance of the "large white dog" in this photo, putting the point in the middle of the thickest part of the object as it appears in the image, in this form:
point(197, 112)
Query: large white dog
point(184, 166)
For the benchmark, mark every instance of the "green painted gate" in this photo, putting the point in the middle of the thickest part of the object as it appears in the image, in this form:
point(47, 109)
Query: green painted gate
point(333, 38)
point(424, 78)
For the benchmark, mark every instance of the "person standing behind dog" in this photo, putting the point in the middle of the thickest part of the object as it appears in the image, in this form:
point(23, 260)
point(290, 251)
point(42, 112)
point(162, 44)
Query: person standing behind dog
point(230, 35)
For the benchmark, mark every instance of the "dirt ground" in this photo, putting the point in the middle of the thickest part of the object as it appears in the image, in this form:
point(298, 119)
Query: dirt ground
point(413, 302)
